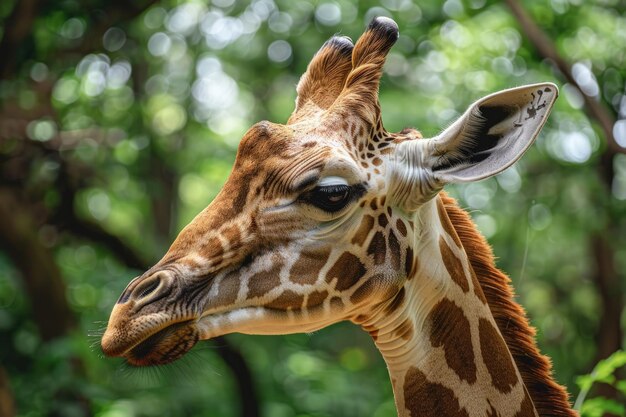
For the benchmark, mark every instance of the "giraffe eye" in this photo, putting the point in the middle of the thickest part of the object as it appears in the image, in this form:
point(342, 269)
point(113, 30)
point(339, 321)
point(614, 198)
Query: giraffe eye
point(330, 198)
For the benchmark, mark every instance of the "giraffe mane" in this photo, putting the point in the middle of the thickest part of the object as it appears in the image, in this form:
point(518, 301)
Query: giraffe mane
point(550, 398)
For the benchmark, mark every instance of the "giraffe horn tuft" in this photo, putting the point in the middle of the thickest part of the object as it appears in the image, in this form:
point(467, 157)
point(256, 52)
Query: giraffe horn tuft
point(360, 92)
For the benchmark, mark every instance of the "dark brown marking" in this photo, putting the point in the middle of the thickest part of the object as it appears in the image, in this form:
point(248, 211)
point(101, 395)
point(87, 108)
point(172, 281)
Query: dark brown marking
point(347, 270)
point(309, 263)
point(373, 204)
point(316, 298)
point(496, 357)
point(394, 251)
point(528, 408)
point(408, 263)
point(363, 231)
point(427, 399)
point(382, 220)
point(288, 300)
point(228, 290)
point(262, 282)
point(377, 161)
point(401, 227)
point(477, 288)
point(383, 200)
point(446, 223)
point(365, 290)
point(450, 329)
point(377, 248)
point(389, 209)
point(397, 301)
point(453, 265)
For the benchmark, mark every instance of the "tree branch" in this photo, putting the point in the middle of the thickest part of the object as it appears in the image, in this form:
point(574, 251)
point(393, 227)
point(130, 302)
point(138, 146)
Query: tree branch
point(7, 407)
point(546, 49)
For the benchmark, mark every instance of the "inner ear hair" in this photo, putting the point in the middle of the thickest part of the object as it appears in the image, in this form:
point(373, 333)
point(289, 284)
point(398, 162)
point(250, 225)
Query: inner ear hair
point(477, 140)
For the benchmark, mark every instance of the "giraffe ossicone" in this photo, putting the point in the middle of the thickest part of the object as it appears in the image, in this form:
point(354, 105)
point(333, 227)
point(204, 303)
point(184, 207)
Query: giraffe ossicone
point(330, 217)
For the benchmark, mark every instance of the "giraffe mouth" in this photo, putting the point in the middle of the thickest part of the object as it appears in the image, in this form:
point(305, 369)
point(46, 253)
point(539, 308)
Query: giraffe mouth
point(164, 346)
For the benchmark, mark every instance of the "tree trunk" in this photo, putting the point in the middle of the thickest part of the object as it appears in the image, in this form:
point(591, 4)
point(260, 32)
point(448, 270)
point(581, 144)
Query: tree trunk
point(42, 279)
point(7, 409)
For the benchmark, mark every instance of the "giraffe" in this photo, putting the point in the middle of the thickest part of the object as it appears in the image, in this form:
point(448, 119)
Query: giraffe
point(330, 218)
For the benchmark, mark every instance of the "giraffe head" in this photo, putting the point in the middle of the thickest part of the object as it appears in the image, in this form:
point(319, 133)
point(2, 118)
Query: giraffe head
point(317, 220)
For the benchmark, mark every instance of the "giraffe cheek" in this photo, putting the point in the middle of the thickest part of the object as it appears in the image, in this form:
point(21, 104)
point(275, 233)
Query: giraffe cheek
point(346, 271)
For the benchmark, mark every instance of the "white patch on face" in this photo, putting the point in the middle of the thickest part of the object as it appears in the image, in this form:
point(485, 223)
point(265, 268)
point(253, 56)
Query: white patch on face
point(332, 180)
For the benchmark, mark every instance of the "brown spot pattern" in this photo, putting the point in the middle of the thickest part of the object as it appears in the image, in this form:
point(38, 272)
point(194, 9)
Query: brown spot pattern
point(309, 263)
point(401, 227)
point(363, 231)
point(450, 329)
point(316, 298)
point(453, 265)
point(496, 357)
point(382, 220)
point(227, 291)
point(528, 408)
point(377, 248)
point(366, 289)
point(408, 263)
point(262, 282)
point(394, 251)
point(427, 399)
point(347, 270)
point(478, 291)
point(288, 300)
point(446, 223)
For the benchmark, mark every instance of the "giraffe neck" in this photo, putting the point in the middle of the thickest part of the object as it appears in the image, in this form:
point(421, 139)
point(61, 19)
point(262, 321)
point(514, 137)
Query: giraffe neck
point(444, 352)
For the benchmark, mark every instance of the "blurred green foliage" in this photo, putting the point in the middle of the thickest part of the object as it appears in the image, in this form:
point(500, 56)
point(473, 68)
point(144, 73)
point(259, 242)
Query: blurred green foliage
point(604, 372)
point(147, 112)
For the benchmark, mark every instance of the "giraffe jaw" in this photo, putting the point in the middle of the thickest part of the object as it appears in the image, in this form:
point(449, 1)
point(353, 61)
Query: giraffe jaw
point(261, 321)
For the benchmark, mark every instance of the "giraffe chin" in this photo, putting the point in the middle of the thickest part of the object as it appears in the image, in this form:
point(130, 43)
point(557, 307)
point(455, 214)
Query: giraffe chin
point(164, 346)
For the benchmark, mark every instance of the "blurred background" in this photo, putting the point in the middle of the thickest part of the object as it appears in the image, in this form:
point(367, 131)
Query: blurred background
point(120, 119)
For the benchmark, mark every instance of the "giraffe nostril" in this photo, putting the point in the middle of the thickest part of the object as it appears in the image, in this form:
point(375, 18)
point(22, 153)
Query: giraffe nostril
point(147, 287)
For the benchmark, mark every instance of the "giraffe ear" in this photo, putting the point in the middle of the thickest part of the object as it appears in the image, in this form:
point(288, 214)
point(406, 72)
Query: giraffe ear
point(492, 134)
